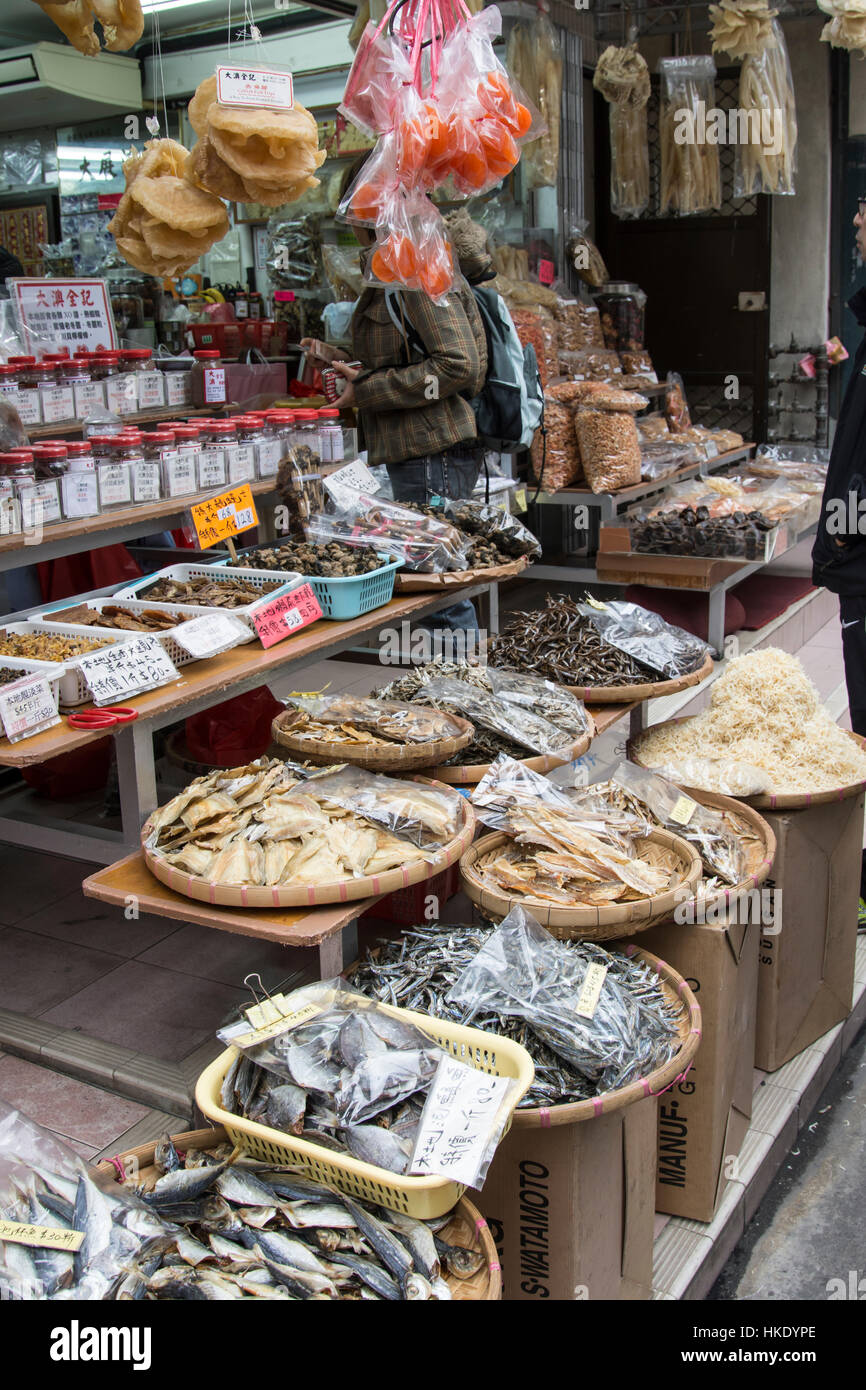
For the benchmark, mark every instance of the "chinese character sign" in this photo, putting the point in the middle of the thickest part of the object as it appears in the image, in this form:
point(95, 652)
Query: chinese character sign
point(73, 314)
point(218, 518)
point(279, 617)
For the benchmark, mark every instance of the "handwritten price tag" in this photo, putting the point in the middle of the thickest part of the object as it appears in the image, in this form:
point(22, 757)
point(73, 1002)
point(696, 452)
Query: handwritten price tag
point(27, 706)
point(279, 617)
point(211, 634)
point(464, 1114)
point(248, 86)
point(590, 990)
point(355, 477)
point(127, 668)
point(223, 516)
point(22, 1233)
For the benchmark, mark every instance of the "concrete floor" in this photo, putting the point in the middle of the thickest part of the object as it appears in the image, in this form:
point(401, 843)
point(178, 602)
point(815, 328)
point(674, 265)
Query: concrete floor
point(807, 1239)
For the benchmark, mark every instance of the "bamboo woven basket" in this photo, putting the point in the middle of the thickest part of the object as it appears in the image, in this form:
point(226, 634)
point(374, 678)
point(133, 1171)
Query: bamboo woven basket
point(466, 1227)
point(763, 801)
point(689, 1028)
point(408, 582)
point(760, 858)
point(624, 694)
point(381, 757)
point(423, 1197)
point(474, 772)
point(606, 923)
point(312, 895)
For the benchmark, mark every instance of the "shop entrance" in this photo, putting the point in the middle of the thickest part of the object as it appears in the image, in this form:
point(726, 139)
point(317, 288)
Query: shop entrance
point(693, 270)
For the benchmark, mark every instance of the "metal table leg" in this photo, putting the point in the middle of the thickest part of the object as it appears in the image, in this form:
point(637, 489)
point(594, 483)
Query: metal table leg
point(136, 776)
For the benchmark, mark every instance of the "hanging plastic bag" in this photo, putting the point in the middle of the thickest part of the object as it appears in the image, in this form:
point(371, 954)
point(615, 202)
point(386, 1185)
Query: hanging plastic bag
point(767, 161)
point(691, 178)
point(412, 247)
point(660, 646)
point(623, 79)
point(535, 59)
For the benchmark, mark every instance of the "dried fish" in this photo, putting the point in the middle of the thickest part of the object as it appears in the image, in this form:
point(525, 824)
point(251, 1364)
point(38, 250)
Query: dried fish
point(559, 642)
point(366, 720)
point(210, 592)
point(46, 646)
point(128, 619)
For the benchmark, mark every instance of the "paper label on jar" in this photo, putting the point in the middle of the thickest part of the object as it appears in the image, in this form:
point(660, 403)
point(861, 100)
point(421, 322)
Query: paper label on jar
point(89, 395)
point(180, 475)
point(40, 503)
point(120, 393)
point(241, 461)
point(145, 481)
point(177, 388)
point(115, 484)
point(58, 403)
point(28, 407)
point(10, 516)
point(211, 468)
point(79, 494)
point(214, 385)
point(270, 453)
point(151, 390)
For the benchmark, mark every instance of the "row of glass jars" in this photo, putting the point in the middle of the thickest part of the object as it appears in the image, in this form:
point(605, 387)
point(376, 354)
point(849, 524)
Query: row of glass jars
point(59, 388)
point(74, 479)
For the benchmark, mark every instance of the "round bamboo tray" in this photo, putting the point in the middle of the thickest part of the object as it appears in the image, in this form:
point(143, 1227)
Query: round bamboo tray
point(407, 582)
point(604, 923)
point(310, 894)
point(466, 1225)
point(689, 1028)
point(381, 757)
point(762, 801)
point(474, 772)
point(624, 694)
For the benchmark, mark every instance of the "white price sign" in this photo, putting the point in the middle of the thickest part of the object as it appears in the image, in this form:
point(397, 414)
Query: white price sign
point(211, 634)
point(250, 86)
point(27, 706)
point(126, 668)
point(464, 1115)
point(69, 313)
point(355, 477)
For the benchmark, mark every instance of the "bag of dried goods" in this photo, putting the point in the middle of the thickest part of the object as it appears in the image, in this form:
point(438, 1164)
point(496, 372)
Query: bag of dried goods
point(555, 456)
point(608, 441)
point(623, 79)
point(691, 178)
point(676, 405)
point(534, 56)
point(586, 258)
point(637, 363)
point(765, 162)
point(590, 364)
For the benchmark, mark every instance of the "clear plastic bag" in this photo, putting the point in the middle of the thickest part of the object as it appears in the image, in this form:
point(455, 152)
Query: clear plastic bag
point(591, 364)
point(676, 405)
point(586, 258)
point(544, 697)
point(720, 848)
point(658, 460)
point(555, 456)
point(522, 971)
point(45, 1183)
point(653, 428)
point(534, 56)
point(506, 530)
point(423, 544)
point(691, 178)
point(629, 161)
point(767, 161)
point(427, 816)
point(647, 638)
point(412, 247)
point(717, 775)
point(523, 726)
point(609, 447)
point(385, 718)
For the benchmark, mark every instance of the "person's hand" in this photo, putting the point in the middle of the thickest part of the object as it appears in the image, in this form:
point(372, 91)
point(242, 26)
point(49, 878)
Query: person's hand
point(321, 354)
point(347, 395)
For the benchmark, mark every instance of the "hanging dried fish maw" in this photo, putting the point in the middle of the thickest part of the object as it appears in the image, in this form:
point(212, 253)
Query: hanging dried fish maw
point(622, 77)
point(767, 160)
point(691, 179)
point(163, 223)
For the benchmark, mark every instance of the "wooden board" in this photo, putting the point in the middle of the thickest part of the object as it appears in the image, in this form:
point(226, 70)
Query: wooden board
point(217, 677)
point(130, 877)
point(409, 582)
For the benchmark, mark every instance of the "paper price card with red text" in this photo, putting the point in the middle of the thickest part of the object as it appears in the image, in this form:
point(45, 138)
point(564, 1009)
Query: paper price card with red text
point(226, 515)
point(279, 617)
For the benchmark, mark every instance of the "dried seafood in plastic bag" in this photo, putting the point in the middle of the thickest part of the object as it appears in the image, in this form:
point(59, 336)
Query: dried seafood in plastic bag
point(523, 726)
point(691, 179)
point(622, 77)
point(424, 544)
point(645, 636)
point(559, 642)
point(363, 719)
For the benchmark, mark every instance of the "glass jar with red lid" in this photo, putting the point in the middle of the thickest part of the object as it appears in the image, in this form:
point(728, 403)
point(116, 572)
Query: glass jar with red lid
point(306, 435)
point(208, 378)
point(113, 473)
point(40, 498)
point(180, 469)
point(145, 471)
point(49, 459)
point(212, 457)
point(331, 436)
point(241, 459)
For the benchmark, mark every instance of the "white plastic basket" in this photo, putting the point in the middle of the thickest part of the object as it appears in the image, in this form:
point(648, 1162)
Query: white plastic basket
point(256, 579)
point(73, 689)
point(26, 667)
point(167, 637)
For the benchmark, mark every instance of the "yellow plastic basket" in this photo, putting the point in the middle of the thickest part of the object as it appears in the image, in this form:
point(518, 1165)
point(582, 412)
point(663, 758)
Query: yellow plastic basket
point(424, 1198)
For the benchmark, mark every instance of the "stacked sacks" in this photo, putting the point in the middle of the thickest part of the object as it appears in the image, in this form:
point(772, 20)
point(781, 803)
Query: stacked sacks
point(163, 223)
point(252, 154)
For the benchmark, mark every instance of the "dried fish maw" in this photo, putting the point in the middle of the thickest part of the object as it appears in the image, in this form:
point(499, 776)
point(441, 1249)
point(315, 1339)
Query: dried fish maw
point(276, 161)
point(122, 22)
point(275, 195)
point(75, 22)
point(201, 100)
point(166, 243)
point(158, 157)
point(180, 204)
point(205, 168)
point(240, 863)
point(273, 129)
point(207, 808)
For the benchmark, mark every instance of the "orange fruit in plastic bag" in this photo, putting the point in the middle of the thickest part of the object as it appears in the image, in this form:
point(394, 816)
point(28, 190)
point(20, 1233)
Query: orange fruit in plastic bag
point(499, 148)
point(470, 168)
point(366, 201)
point(381, 267)
point(523, 119)
point(404, 257)
point(439, 145)
point(437, 274)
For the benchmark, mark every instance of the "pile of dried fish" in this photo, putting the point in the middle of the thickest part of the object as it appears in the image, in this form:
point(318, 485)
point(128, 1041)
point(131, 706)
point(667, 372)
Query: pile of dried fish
point(512, 712)
point(112, 615)
point(556, 856)
point(559, 642)
point(359, 719)
point(46, 646)
point(421, 969)
point(333, 561)
point(253, 1231)
point(211, 593)
point(274, 823)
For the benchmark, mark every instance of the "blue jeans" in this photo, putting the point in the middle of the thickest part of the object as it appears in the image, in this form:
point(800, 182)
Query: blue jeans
point(453, 474)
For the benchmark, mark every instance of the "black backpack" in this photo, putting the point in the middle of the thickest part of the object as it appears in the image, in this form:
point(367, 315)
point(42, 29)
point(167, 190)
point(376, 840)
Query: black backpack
point(508, 406)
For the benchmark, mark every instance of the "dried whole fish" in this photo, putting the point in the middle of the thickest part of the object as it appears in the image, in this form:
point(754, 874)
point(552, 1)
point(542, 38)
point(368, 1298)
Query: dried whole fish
point(127, 619)
point(419, 970)
point(560, 643)
point(365, 719)
point(210, 593)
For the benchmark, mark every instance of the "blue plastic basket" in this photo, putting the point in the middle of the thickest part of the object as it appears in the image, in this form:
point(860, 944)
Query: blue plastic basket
point(351, 596)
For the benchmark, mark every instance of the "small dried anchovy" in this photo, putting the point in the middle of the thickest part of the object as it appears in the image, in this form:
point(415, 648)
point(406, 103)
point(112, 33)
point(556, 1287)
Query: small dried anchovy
point(418, 970)
point(560, 643)
point(486, 745)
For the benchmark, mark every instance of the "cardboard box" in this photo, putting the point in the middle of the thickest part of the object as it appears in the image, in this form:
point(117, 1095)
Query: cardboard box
point(703, 1120)
point(806, 970)
point(571, 1207)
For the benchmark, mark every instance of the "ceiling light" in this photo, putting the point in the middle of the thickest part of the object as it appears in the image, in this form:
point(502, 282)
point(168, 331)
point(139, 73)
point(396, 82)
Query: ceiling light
point(149, 6)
